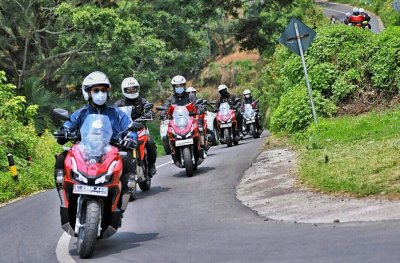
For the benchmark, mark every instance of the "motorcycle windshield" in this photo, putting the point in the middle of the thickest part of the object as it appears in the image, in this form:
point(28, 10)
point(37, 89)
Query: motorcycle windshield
point(224, 109)
point(96, 133)
point(181, 116)
point(248, 111)
point(127, 110)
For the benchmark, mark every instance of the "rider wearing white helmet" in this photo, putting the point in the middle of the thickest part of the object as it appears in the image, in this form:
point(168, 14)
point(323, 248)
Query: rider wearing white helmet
point(95, 89)
point(181, 97)
point(140, 109)
point(248, 99)
point(225, 96)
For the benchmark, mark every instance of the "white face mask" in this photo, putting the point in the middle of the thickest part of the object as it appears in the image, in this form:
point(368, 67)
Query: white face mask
point(247, 96)
point(99, 98)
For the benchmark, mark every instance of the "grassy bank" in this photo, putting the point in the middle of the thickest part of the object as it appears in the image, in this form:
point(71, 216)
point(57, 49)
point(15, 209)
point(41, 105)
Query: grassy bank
point(355, 155)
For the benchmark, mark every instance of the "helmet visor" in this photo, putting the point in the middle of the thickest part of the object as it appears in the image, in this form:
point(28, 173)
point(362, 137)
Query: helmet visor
point(131, 90)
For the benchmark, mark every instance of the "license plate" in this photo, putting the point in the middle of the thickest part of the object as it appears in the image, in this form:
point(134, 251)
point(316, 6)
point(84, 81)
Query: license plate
point(90, 190)
point(226, 125)
point(250, 121)
point(183, 142)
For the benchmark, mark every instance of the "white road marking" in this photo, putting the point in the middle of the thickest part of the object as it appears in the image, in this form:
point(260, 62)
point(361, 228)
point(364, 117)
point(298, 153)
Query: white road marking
point(161, 165)
point(337, 11)
point(62, 251)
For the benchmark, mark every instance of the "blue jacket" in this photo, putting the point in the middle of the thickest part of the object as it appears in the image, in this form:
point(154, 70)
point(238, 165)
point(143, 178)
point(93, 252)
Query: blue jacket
point(119, 119)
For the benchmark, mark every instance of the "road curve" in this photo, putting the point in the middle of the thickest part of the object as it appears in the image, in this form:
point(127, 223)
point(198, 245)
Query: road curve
point(340, 10)
point(195, 219)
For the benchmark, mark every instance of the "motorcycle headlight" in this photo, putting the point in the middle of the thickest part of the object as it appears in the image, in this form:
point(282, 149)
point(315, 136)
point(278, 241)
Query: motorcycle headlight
point(107, 177)
point(77, 175)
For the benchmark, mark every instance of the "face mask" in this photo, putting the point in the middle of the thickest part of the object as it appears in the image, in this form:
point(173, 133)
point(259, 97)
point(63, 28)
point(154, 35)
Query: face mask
point(247, 96)
point(224, 93)
point(179, 90)
point(99, 98)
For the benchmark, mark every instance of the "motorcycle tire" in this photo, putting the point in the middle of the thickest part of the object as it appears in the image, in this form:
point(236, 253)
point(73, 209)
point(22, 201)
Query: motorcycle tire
point(187, 160)
point(227, 137)
point(253, 131)
point(87, 236)
point(146, 184)
point(215, 138)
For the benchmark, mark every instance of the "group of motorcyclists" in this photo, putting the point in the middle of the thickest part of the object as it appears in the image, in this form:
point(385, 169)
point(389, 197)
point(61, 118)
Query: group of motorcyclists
point(89, 178)
point(358, 18)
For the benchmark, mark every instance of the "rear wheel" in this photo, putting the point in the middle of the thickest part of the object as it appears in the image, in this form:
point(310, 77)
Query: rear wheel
point(215, 138)
point(146, 184)
point(187, 160)
point(227, 137)
point(90, 219)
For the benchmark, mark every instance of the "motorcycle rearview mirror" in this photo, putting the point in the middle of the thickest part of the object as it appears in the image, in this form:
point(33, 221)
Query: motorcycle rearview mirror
point(148, 106)
point(199, 101)
point(160, 108)
point(61, 114)
point(135, 126)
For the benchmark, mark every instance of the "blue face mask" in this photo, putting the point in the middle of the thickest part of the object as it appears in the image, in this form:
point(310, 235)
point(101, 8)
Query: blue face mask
point(179, 90)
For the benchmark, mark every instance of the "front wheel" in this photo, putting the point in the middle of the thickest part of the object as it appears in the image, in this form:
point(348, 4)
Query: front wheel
point(227, 137)
point(187, 160)
point(253, 131)
point(90, 219)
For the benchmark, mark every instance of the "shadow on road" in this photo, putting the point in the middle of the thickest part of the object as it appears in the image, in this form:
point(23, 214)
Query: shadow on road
point(153, 191)
point(117, 243)
point(200, 170)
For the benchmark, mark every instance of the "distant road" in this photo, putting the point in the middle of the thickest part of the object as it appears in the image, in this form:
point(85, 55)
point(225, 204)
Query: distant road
point(340, 10)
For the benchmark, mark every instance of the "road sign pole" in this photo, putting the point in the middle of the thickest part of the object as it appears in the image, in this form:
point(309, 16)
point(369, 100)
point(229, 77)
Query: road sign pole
point(305, 73)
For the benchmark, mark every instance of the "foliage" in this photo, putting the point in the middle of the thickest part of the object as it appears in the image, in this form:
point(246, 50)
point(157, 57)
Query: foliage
point(356, 155)
point(294, 111)
point(385, 64)
point(18, 137)
point(341, 61)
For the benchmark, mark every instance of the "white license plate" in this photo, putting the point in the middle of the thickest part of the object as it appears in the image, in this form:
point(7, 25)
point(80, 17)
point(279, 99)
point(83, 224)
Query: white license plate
point(90, 190)
point(250, 121)
point(226, 125)
point(183, 142)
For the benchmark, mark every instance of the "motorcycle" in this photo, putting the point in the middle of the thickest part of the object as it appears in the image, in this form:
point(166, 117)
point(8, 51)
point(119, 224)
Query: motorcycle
point(227, 124)
point(90, 190)
point(184, 136)
point(251, 119)
point(143, 178)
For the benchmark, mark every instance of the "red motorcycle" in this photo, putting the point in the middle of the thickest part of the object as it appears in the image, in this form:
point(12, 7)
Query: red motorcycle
point(90, 191)
point(143, 177)
point(184, 136)
point(227, 124)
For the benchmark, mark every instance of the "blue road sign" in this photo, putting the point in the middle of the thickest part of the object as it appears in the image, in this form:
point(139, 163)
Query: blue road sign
point(289, 38)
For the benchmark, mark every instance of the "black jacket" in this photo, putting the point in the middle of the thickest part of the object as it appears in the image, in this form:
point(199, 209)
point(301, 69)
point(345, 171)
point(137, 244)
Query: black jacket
point(138, 105)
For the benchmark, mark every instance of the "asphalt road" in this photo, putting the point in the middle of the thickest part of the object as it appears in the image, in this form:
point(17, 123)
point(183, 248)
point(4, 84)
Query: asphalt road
point(340, 10)
point(194, 219)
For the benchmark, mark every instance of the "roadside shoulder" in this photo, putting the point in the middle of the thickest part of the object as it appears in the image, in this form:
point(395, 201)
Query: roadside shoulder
point(268, 187)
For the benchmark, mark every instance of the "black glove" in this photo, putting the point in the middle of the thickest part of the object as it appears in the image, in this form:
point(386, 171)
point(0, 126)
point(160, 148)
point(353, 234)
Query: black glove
point(62, 135)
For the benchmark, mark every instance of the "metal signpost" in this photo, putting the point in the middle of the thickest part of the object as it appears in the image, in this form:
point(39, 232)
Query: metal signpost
point(298, 37)
point(396, 5)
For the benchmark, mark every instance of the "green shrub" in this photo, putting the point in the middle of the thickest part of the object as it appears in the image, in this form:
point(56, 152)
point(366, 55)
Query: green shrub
point(294, 111)
point(384, 65)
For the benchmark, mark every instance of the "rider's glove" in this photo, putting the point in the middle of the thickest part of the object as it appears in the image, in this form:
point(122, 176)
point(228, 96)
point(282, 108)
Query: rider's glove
point(147, 115)
point(62, 135)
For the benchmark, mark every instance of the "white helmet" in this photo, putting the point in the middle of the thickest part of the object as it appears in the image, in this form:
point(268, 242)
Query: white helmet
point(178, 80)
point(190, 89)
point(93, 79)
point(361, 10)
point(130, 83)
point(356, 11)
point(247, 93)
point(222, 87)
point(179, 83)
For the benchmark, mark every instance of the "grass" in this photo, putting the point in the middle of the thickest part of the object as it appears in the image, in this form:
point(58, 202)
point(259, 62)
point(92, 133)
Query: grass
point(354, 155)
